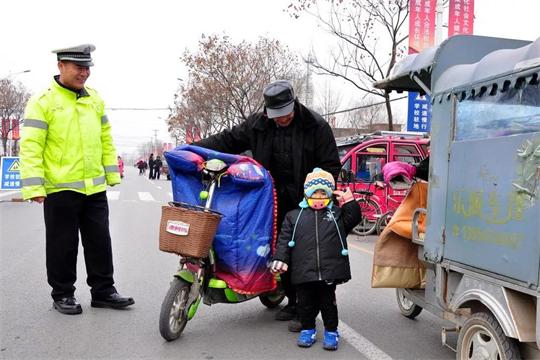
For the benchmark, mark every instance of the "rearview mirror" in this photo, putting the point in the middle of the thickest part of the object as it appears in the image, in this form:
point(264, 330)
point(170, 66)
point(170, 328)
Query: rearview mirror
point(343, 175)
point(377, 177)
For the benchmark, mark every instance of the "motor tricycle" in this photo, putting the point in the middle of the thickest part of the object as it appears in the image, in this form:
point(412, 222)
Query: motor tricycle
point(198, 278)
point(479, 248)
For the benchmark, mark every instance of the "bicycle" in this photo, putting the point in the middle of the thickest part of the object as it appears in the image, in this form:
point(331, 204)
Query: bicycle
point(371, 210)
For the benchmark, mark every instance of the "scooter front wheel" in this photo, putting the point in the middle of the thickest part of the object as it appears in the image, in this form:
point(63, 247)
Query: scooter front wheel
point(173, 316)
point(271, 300)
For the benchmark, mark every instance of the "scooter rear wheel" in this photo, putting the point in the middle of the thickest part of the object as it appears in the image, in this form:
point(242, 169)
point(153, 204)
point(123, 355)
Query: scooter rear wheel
point(173, 315)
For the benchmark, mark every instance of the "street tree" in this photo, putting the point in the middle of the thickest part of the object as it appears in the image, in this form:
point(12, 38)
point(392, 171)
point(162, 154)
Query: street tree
point(370, 36)
point(13, 99)
point(225, 82)
point(367, 114)
point(329, 99)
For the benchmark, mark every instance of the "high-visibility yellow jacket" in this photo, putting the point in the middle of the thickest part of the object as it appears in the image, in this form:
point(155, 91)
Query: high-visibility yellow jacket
point(66, 144)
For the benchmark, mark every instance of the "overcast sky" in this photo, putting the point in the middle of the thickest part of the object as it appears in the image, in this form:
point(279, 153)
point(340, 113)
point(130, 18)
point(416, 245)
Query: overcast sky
point(139, 44)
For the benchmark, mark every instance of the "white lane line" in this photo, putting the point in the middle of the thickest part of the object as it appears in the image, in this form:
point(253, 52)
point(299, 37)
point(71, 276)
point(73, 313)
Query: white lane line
point(360, 343)
point(113, 195)
point(145, 196)
point(3, 194)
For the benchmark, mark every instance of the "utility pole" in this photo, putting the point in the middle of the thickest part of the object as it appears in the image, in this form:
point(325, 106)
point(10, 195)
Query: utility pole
point(309, 61)
point(439, 20)
point(154, 142)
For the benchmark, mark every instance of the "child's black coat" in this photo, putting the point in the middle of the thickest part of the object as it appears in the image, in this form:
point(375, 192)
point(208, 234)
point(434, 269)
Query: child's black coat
point(317, 253)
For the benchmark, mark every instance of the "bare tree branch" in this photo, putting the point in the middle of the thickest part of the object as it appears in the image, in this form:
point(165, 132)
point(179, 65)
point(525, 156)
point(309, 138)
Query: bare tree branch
point(370, 36)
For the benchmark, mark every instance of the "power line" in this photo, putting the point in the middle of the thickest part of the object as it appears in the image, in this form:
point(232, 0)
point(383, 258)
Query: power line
point(363, 106)
point(136, 109)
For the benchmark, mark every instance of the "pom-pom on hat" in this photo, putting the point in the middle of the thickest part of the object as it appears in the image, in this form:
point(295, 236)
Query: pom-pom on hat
point(319, 180)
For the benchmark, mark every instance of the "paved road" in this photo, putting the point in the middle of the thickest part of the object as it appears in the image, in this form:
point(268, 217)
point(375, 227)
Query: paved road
point(371, 325)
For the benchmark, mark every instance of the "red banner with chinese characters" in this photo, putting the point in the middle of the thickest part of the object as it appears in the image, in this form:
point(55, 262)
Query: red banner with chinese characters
point(192, 134)
point(5, 128)
point(421, 25)
point(460, 17)
point(15, 129)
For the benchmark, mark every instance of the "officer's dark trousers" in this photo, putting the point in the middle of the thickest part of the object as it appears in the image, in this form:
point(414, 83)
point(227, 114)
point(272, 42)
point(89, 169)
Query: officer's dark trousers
point(314, 297)
point(67, 213)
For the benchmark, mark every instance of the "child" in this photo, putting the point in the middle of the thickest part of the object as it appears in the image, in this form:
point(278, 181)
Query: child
point(312, 246)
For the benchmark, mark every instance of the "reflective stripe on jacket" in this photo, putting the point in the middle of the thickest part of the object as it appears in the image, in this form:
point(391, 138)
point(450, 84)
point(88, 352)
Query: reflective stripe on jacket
point(66, 144)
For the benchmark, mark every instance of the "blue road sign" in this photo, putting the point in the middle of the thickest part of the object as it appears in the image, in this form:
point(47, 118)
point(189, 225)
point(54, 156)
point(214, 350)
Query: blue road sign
point(419, 116)
point(11, 174)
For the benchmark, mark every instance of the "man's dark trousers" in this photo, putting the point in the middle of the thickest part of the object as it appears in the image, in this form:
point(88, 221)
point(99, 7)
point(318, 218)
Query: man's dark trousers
point(67, 213)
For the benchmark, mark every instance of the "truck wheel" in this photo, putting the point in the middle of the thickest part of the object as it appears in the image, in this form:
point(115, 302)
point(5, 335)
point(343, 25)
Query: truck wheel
point(173, 315)
point(407, 307)
point(483, 338)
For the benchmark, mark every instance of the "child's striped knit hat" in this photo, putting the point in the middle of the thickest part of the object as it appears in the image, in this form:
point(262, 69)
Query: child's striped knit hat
point(319, 180)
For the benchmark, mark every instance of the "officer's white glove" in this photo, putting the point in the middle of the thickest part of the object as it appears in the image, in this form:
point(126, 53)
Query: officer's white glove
point(278, 267)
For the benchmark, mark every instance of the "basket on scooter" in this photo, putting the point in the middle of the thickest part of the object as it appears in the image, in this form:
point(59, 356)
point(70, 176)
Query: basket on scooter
point(187, 230)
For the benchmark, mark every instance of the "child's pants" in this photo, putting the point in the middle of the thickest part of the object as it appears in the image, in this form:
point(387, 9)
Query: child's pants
point(314, 297)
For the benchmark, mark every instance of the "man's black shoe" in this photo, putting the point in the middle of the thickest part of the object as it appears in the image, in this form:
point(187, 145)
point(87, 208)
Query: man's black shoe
point(287, 313)
point(295, 325)
point(114, 301)
point(68, 306)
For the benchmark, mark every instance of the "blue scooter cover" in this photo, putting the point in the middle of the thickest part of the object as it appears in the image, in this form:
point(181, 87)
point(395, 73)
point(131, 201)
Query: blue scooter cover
point(246, 235)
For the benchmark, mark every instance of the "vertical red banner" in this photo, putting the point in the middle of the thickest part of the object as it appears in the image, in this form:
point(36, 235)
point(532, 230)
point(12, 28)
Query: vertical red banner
point(421, 25)
point(5, 128)
point(15, 129)
point(460, 17)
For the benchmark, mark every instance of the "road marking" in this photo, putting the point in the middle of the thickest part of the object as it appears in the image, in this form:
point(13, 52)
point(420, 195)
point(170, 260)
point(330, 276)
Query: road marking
point(113, 195)
point(367, 251)
point(145, 196)
point(360, 343)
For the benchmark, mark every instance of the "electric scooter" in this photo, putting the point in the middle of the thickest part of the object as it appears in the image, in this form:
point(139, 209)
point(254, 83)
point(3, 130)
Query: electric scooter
point(195, 280)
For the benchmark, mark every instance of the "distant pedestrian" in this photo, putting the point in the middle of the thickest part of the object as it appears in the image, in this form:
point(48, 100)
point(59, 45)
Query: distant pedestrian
point(140, 165)
point(151, 166)
point(121, 166)
point(157, 167)
point(67, 160)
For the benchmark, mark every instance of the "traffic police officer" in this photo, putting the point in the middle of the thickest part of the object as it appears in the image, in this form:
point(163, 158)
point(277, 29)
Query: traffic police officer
point(67, 160)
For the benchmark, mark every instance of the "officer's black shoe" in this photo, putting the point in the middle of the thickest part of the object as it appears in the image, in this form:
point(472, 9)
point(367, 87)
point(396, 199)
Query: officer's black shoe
point(114, 301)
point(68, 306)
point(287, 313)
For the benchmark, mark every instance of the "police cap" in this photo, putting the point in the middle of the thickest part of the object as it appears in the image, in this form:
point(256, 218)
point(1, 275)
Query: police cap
point(79, 54)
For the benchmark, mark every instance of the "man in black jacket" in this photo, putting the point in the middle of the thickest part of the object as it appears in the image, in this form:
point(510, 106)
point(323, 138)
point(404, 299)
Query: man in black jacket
point(289, 140)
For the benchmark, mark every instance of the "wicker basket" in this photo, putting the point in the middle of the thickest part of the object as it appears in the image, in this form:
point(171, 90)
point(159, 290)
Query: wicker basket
point(187, 230)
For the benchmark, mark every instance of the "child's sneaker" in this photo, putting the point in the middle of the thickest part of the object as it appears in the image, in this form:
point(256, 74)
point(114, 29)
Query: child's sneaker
point(307, 338)
point(331, 340)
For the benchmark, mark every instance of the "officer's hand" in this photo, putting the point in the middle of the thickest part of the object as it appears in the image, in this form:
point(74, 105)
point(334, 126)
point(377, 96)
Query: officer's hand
point(278, 267)
point(38, 199)
point(344, 196)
